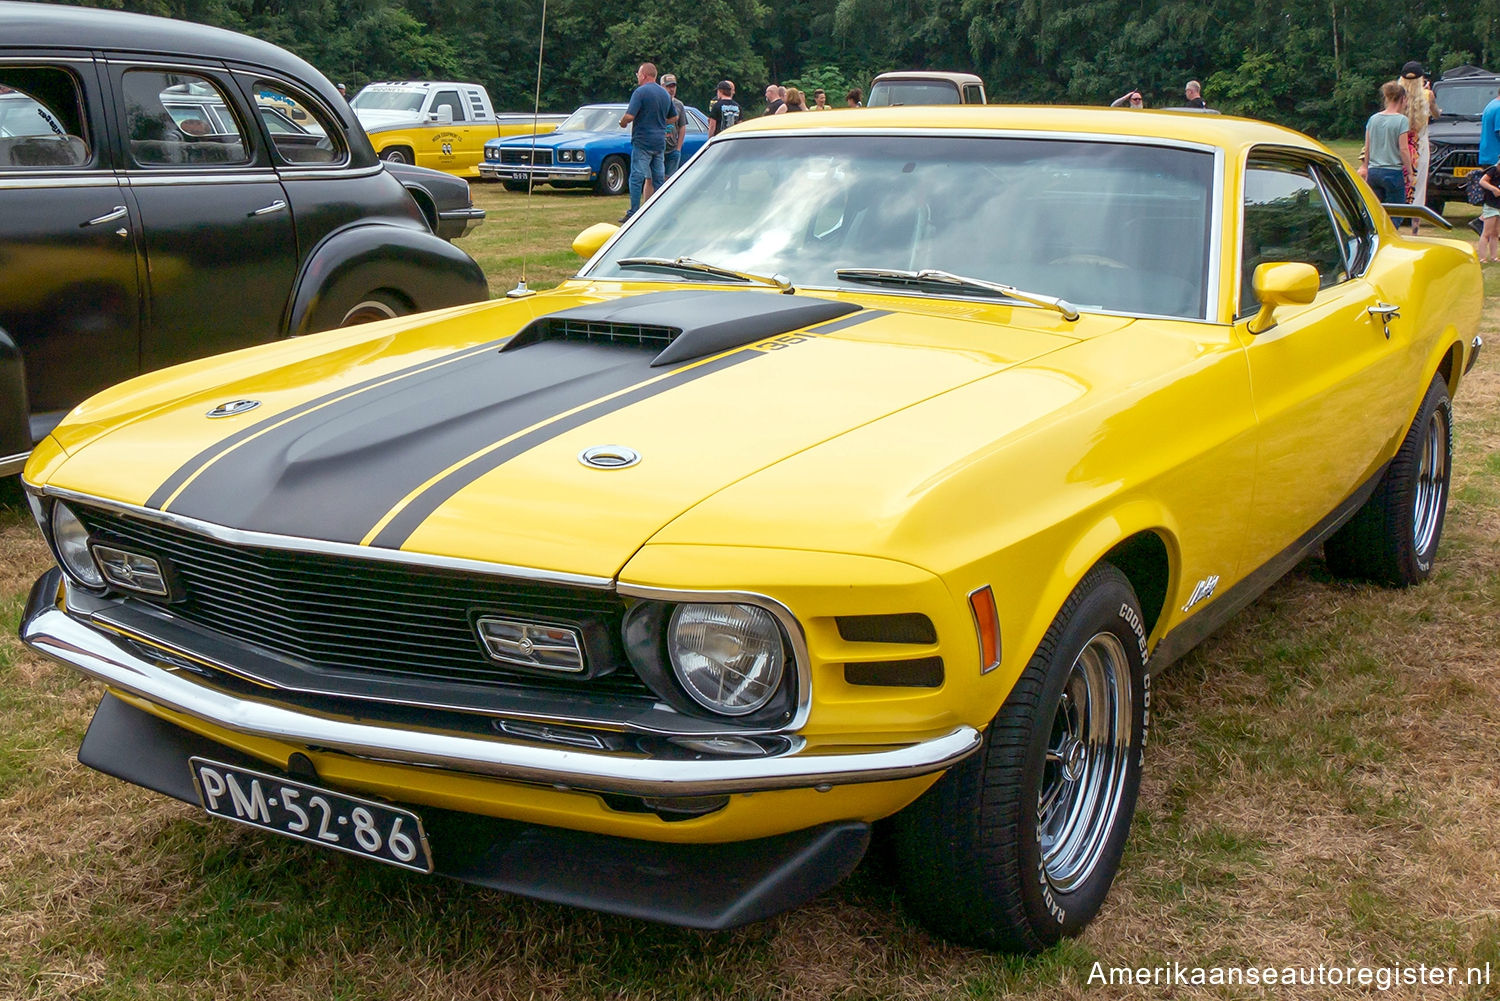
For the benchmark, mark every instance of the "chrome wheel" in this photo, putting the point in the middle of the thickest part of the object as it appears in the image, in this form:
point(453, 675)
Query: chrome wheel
point(615, 177)
point(396, 155)
point(1432, 482)
point(1084, 776)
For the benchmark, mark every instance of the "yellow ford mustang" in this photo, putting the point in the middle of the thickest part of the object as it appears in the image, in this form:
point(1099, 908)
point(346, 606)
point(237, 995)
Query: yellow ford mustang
point(857, 477)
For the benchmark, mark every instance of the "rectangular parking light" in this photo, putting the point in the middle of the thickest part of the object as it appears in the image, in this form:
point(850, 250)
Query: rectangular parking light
point(536, 645)
point(132, 571)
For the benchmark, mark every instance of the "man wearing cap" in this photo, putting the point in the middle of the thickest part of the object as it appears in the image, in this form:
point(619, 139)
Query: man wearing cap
point(648, 114)
point(725, 110)
point(676, 126)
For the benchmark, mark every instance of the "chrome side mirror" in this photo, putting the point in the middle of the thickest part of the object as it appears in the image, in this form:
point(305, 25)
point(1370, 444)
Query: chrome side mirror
point(1281, 284)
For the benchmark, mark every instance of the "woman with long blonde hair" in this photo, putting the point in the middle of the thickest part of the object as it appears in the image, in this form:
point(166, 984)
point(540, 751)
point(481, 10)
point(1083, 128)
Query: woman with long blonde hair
point(1420, 110)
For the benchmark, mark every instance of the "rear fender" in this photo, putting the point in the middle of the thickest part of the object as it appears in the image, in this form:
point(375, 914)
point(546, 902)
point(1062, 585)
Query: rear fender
point(412, 265)
point(15, 407)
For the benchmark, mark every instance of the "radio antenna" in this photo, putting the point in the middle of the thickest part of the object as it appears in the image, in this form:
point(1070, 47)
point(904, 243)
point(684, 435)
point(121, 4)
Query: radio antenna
point(521, 291)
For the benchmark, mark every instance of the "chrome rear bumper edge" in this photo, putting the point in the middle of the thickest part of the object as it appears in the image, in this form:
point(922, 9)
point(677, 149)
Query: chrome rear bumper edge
point(51, 631)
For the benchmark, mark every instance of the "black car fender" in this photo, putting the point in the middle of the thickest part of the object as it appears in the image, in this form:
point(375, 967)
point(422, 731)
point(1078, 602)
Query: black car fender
point(15, 408)
point(410, 269)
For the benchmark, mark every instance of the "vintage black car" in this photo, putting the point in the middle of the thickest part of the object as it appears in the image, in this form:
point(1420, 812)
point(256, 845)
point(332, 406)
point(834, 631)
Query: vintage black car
point(136, 231)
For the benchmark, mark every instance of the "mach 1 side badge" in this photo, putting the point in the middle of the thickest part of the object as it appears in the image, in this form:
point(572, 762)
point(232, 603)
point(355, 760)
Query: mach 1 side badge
point(1203, 590)
point(233, 407)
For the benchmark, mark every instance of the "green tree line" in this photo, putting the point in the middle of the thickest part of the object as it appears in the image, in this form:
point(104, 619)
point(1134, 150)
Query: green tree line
point(1312, 64)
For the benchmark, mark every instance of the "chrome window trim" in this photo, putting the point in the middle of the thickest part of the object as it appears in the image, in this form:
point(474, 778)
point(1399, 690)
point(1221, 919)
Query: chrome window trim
point(781, 613)
point(240, 537)
point(19, 178)
point(1213, 278)
point(1308, 158)
point(7, 60)
point(251, 78)
point(177, 174)
point(301, 173)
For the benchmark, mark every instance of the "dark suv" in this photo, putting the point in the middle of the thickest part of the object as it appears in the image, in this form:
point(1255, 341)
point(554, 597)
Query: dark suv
point(1461, 95)
point(138, 230)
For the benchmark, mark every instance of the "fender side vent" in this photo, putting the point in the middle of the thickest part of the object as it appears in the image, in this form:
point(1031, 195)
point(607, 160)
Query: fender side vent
point(904, 627)
point(919, 672)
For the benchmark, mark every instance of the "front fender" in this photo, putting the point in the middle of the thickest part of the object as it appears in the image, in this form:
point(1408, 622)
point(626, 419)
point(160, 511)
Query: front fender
point(15, 407)
point(411, 265)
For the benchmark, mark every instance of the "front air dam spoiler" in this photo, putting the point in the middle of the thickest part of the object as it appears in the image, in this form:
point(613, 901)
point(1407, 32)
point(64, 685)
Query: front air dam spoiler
point(712, 887)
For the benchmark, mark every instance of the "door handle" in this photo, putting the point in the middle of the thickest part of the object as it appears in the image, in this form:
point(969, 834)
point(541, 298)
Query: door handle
point(275, 206)
point(1385, 312)
point(118, 212)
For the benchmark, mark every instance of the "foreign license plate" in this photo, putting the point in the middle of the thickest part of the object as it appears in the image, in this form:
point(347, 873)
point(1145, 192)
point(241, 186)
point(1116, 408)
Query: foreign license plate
point(519, 175)
point(1463, 171)
point(347, 823)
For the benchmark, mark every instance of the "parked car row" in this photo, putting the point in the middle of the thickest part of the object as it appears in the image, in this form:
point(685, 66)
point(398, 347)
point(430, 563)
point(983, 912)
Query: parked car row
point(155, 207)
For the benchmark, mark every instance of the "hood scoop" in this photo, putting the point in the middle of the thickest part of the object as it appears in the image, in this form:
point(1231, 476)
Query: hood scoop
point(682, 325)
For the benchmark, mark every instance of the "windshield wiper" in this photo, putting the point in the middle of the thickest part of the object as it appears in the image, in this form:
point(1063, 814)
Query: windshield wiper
point(931, 277)
point(696, 267)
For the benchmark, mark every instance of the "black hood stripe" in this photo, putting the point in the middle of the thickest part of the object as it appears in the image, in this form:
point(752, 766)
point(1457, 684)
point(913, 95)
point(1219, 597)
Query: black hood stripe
point(864, 316)
point(393, 534)
point(336, 475)
point(197, 463)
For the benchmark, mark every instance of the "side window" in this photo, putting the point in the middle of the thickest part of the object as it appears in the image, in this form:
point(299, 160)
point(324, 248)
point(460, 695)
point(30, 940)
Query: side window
point(694, 123)
point(302, 132)
point(1350, 217)
point(972, 94)
point(1286, 219)
point(180, 119)
point(449, 99)
point(41, 119)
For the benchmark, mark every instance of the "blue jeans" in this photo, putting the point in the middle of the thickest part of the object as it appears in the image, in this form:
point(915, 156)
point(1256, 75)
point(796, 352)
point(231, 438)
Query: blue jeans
point(1388, 184)
point(672, 158)
point(642, 161)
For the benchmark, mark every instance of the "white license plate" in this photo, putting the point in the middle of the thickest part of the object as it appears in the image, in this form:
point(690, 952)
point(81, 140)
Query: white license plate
point(519, 176)
point(350, 824)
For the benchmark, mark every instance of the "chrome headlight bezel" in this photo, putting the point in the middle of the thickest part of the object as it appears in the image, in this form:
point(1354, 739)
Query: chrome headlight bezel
point(69, 538)
point(644, 633)
point(758, 656)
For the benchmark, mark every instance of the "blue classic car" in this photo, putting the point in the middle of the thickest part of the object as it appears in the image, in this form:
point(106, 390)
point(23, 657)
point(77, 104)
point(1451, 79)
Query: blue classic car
point(589, 149)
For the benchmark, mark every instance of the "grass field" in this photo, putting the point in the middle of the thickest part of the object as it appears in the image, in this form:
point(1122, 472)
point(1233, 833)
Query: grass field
point(1321, 788)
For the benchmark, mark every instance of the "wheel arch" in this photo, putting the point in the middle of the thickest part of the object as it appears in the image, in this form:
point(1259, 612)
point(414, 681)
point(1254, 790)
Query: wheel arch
point(1450, 365)
point(413, 264)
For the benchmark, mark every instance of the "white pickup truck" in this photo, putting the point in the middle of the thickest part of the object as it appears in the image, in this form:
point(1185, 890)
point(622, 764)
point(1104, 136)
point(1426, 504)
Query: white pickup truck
point(438, 124)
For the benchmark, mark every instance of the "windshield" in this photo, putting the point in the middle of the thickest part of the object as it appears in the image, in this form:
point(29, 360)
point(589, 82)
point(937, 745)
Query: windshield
point(884, 93)
point(1466, 99)
point(1106, 225)
point(594, 120)
point(384, 99)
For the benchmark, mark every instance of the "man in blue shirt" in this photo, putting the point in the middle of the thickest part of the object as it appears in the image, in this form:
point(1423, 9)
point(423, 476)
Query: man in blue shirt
point(1489, 133)
point(648, 114)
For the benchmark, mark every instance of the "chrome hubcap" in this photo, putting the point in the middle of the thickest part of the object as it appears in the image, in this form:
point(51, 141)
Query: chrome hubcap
point(1083, 779)
point(1432, 482)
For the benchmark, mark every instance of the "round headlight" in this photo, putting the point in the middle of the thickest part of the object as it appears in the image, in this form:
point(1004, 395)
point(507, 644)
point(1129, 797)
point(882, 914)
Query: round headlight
point(729, 658)
point(72, 541)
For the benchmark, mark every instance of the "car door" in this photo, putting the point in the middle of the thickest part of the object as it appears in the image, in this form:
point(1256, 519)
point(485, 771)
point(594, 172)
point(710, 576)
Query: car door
point(695, 134)
point(1326, 378)
point(69, 294)
point(220, 247)
point(455, 147)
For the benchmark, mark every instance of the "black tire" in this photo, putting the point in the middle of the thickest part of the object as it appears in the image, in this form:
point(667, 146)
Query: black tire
point(514, 185)
point(970, 852)
point(373, 307)
point(1393, 538)
point(398, 154)
point(614, 176)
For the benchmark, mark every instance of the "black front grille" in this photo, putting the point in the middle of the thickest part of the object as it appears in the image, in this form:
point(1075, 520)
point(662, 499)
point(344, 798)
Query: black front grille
point(1451, 157)
point(363, 616)
point(525, 154)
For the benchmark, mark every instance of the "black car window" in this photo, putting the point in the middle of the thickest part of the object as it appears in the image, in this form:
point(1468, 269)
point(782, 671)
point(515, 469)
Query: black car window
point(449, 99)
point(180, 119)
point(41, 119)
point(302, 131)
point(1350, 217)
point(1286, 219)
point(972, 94)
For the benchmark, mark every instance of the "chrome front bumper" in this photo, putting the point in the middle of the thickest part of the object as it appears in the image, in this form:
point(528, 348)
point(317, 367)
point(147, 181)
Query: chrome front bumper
point(126, 666)
point(459, 222)
point(521, 171)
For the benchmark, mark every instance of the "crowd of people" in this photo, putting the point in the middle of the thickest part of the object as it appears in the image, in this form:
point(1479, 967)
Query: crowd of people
point(1397, 155)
